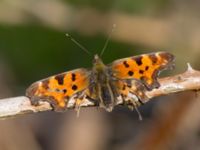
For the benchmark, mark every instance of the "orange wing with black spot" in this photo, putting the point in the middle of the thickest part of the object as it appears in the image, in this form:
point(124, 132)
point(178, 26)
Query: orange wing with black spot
point(144, 67)
point(60, 89)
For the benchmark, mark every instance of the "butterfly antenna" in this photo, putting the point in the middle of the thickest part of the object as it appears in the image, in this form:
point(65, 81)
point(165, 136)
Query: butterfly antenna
point(139, 114)
point(108, 39)
point(78, 44)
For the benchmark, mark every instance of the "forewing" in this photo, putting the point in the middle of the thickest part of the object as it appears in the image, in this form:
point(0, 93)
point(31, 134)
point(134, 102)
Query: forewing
point(59, 89)
point(144, 67)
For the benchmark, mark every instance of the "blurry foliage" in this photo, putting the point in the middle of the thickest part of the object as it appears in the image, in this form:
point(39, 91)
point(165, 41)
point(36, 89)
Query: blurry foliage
point(130, 6)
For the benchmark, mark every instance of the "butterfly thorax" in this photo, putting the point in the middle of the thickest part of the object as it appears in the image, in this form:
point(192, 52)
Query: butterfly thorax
point(102, 84)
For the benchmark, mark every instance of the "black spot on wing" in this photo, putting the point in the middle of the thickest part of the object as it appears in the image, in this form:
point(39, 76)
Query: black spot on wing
point(60, 78)
point(141, 71)
point(147, 68)
point(73, 76)
point(74, 87)
point(64, 91)
point(130, 73)
point(126, 64)
point(138, 60)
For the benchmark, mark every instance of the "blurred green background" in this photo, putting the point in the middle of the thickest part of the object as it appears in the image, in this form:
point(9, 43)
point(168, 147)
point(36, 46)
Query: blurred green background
point(33, 46)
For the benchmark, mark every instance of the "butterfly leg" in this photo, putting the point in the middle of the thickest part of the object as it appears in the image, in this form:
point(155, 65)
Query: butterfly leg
point(138, 112)
point(79, 100)
point(78, 103)
point(82, 98)
point(132, 93)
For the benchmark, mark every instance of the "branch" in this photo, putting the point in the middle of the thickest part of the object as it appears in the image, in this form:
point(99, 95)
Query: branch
point(189, 80)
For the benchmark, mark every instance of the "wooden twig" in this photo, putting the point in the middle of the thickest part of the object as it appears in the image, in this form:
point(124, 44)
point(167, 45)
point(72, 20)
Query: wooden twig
point(189, 80)
point(20, 105)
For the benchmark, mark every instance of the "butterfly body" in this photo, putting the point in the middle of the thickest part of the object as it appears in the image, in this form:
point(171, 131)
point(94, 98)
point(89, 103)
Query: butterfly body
point(103, 86)
point(124, 81)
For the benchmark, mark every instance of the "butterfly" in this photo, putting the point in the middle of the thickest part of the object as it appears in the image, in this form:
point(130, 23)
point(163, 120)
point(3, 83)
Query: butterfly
point(124, 81)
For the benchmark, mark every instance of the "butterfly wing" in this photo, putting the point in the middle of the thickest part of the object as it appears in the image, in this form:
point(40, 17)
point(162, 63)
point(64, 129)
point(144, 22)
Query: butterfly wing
point(61, 90)
point(144, 67)
point(131, 92)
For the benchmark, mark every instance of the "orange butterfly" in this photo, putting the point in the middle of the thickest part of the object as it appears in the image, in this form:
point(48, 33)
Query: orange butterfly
point(122, 82)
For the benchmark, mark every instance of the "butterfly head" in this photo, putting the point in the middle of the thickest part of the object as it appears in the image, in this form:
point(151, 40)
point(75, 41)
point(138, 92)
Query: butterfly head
point(97, 62)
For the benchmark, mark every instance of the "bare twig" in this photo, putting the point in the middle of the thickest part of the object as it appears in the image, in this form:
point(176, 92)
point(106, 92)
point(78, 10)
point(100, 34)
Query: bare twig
point(189, 80)
point(20, 105)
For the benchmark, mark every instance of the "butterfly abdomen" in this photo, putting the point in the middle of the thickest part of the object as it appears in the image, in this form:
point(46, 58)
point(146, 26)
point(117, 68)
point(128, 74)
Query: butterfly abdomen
point(104, 91)
point(106, 97)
